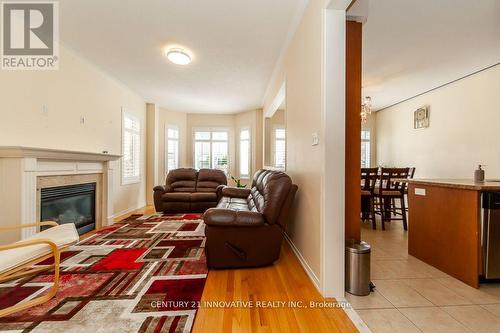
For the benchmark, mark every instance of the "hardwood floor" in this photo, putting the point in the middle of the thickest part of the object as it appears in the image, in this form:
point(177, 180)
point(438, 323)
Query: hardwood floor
point(284, 281)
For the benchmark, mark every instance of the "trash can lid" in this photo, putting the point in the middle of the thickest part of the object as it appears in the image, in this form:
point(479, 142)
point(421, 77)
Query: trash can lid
point(358, 247)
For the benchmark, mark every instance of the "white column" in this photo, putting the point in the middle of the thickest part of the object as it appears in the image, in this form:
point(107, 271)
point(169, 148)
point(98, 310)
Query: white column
point(333, 179)
point(107, 194)
point(152, 150)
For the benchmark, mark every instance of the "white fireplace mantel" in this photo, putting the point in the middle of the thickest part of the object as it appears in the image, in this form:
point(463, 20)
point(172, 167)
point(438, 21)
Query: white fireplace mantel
point(21, 166)
point(54, 154)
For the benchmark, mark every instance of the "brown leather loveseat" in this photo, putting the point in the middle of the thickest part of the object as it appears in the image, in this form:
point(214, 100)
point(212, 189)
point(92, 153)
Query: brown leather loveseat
point(246, 228)
point(189, 191)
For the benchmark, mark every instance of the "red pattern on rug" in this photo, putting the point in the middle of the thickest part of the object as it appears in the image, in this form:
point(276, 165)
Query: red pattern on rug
point(145, 264)
point(121, 260)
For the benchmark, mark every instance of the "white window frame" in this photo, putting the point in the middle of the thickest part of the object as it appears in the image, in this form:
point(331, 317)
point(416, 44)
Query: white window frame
point(249, 166)
point(211, 130)
point(127, 180)
point(369, 153)
point(273, 148)
point(167, 140)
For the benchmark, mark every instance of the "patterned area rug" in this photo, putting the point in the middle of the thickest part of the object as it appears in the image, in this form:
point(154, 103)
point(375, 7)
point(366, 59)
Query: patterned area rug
point(144, 274)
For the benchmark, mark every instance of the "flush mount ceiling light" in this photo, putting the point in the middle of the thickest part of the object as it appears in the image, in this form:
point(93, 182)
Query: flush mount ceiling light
point(178, 56)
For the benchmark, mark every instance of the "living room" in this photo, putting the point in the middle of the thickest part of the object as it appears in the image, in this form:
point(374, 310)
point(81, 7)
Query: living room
point(92, 127)
point(178, 166)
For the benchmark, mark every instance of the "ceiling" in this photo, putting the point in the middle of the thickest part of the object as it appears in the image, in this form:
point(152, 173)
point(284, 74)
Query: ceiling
point(410, 47)
point(235, 44)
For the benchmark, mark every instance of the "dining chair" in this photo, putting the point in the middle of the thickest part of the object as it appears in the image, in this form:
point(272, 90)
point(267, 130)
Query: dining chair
point(390, 190)
point(369, 178)
point(411, 174)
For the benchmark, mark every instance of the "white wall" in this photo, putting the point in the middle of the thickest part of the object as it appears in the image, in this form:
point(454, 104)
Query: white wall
point(463, 132)
point(301, 69)
point(313, 68)
point(76, 89)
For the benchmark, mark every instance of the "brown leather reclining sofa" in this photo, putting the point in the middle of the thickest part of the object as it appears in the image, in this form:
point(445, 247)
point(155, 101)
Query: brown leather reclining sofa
point(246, 228)
point(189, 191)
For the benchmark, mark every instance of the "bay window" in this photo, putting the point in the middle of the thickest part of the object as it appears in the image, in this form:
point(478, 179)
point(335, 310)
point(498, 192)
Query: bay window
point(211, 149)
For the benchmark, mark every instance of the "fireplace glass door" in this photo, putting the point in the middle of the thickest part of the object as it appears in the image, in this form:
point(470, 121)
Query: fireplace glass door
point(70, 204)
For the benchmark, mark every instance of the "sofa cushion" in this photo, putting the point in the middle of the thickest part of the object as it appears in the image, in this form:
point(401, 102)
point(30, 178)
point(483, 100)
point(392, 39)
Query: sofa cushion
point(209, 179)
point(177, 196)
point(230, 217)
point(182, 180)
point(236, 204)
point(183, 186)
point(204, 197)
point(269, 192)
point(235, 192)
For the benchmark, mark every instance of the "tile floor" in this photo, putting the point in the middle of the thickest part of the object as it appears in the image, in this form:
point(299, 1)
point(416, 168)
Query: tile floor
point(411, 296)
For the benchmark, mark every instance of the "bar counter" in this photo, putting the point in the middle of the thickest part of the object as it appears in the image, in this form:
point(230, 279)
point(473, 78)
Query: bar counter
point(445, 225)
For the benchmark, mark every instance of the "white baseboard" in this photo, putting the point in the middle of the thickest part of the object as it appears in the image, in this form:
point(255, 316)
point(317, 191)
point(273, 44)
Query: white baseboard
point(127, 211)
point(312, 276)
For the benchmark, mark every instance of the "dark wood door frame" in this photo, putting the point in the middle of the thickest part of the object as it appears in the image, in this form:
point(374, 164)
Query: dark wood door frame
point(353, 130)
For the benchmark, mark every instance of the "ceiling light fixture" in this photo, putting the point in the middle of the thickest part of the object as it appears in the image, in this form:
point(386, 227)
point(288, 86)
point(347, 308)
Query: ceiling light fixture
point(178, 56)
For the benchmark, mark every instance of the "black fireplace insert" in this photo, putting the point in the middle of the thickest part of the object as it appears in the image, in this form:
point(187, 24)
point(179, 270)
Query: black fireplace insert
point(70, 204)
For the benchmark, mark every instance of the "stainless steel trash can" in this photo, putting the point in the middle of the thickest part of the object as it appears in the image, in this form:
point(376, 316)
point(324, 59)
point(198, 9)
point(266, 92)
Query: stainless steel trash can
point(357, 268)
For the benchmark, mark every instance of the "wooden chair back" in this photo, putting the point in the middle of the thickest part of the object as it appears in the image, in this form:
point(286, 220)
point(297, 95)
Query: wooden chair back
point(411, 173)
point(369, 178)
point(387, 176)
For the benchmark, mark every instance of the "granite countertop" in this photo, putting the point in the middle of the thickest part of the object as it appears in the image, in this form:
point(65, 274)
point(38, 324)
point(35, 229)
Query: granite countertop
point(466, 184)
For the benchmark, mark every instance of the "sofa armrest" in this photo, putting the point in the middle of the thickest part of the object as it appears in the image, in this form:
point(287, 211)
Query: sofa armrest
point(157, 196)
point(235, 192)
point(228, 218)
point(218, 191)
point(162, 188)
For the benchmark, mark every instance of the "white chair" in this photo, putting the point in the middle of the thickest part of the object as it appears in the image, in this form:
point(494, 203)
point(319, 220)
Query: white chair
point(18, 259)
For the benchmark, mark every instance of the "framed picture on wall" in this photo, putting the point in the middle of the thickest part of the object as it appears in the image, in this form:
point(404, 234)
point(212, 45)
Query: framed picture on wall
point(421, 117)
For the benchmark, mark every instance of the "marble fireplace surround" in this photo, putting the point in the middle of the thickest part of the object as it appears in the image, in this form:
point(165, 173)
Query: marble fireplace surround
point(24, 171)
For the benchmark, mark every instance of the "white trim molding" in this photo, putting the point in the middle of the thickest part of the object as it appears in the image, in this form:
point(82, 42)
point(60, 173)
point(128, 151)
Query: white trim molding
point(54, 154)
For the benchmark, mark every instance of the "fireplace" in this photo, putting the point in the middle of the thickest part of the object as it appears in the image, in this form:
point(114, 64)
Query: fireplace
point(70, 204)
